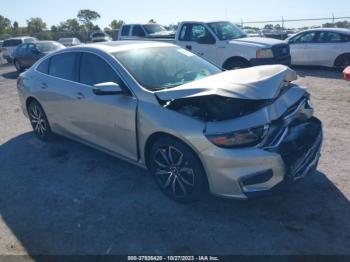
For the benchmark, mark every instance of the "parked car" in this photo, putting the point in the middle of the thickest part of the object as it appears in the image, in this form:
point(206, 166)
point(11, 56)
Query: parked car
point(25, 55)
point(227, 46)
point(328, 47)
point(346, 73)
point(11, 44)
point(70, 41)
point(140, 31)
point(237, 133)
point(99, 37)
point(253, 33)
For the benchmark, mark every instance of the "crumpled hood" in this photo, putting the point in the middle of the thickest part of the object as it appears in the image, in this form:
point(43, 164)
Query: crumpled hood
point(255, 83)
point(259, 41)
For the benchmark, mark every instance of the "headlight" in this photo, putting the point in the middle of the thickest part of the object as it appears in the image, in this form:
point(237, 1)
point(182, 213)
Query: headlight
point(264, 53)
point(242, 138)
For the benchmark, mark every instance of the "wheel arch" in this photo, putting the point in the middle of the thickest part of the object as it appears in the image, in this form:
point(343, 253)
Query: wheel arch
point(234, 58)
point(336, 61)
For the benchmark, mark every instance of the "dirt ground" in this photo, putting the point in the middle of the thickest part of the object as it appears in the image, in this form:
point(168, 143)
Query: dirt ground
point(65, 198)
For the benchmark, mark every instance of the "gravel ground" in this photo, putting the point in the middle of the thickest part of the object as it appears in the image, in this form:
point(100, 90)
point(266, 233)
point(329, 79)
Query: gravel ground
point(65, 198)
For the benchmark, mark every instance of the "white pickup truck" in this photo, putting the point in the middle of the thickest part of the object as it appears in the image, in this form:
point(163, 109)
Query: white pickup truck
point(222, 43)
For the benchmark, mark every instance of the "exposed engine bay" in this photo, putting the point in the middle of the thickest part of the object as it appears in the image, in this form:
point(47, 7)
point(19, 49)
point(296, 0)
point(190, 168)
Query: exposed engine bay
point(214, 108)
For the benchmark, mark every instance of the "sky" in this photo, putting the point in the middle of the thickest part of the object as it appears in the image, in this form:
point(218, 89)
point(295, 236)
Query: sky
point(170, 12)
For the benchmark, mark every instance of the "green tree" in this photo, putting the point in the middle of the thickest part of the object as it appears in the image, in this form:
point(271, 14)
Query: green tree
point(87, 16)
point(71, 25)
point(35, 25)
point(116, 24)
point(342, 24)
point(152, 21)
point(5, 23)
point(328, 25)
point(277, 27)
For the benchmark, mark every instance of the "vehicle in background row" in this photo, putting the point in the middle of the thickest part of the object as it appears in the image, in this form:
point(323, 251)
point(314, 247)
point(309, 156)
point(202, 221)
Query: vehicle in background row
point(276, 34)
point(11, 44)
point(346, 73)
point(69, 41)
point(238, 133)
point(1, 42)
point(96, 37)
point(227, 46)
point(328, 47)
point(25, 55)
point(140, 31)
point(253, 32)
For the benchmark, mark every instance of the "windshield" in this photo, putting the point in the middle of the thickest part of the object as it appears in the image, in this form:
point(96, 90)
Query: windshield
point(159, 68)
point(48, 47)
point(154, 28)
point(227, 31)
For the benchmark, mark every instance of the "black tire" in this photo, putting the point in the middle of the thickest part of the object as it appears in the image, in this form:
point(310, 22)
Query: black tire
point(236, 63)
point(9, 61)
point(342, 61)
point(177, 170)
point(39, 121)
point(18, 66)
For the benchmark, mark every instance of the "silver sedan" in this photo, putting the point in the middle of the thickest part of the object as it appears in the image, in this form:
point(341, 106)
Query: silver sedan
point(236, 134)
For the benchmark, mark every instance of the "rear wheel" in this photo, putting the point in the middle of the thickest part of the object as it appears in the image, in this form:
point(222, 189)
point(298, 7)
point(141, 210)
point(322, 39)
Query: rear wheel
point(343, 61)
point(177, 170)
point(39, 121)
point(18, 66)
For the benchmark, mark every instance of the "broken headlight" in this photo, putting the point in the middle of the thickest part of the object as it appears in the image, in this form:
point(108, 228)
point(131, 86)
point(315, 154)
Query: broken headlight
point(241, 138)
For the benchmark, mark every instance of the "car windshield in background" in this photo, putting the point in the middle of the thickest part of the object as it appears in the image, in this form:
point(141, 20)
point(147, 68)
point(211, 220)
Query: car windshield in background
point(12, 42)
point(48, 47)
point(227, 31)
point(164, 67)
point(153, 29)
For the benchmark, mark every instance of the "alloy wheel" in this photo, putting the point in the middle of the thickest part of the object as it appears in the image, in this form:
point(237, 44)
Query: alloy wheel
point(38, 120)
point(173, 172)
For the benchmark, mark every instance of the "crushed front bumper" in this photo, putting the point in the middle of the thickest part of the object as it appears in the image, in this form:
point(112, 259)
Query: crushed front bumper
point(292, 155)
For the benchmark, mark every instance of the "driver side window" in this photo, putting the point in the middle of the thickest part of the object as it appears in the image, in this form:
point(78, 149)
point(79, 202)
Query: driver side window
point(305, 38)
point(94, 70)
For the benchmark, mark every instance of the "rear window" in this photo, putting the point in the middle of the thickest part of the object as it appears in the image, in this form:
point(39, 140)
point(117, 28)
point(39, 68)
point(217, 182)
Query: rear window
point(63, 66)
point(12, 42)
point(125, 30)
point(44, 66)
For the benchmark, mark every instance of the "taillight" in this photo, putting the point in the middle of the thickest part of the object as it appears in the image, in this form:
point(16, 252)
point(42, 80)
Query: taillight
point(346, 73)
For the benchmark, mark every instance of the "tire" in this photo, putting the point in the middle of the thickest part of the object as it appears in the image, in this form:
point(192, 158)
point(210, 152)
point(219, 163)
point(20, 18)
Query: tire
point(177, 170)
point(9, 61)
point(39, 122)
point(236, 63)
point(342, 61)
point(18, 66)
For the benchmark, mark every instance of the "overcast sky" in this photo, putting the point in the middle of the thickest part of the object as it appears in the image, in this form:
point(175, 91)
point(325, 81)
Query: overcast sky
point(166, 12)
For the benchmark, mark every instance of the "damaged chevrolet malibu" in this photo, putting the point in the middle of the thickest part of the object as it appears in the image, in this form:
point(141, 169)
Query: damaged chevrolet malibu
point(198, 129)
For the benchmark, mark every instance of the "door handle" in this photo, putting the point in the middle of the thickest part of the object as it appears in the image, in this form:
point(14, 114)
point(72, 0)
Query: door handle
point(80, 96)
point(189, 47)
point(44, 86)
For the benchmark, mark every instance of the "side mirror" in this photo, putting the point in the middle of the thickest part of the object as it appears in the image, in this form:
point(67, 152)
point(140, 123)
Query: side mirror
point(107, 89)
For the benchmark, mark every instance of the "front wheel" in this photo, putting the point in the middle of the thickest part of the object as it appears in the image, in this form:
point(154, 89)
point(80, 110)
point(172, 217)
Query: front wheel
point(39, 121)
point(177, 170)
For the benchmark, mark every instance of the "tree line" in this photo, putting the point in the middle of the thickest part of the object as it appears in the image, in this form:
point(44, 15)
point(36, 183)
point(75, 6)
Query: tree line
point(80, 27)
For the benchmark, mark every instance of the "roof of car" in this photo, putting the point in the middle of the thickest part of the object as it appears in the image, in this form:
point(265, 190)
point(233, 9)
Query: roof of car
point(338, 30)
point(118, 46)
point(19, 37)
